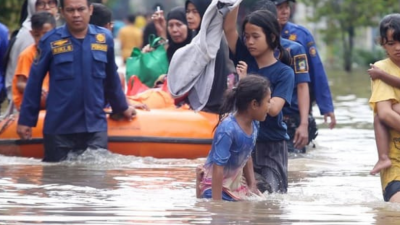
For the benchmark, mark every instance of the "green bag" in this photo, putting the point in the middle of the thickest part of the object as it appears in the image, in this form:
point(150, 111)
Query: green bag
point(148, 66)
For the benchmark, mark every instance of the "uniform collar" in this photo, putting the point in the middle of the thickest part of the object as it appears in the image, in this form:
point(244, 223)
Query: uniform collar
point(285, 30)
point(65, 32)
point(286, 26)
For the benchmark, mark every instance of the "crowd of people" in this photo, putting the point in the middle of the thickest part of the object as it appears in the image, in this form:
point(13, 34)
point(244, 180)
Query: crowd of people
point(262, 80)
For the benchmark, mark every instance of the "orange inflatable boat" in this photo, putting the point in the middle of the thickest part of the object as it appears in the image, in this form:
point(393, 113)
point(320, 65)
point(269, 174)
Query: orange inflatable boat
point(159, 133)
point(162, 132)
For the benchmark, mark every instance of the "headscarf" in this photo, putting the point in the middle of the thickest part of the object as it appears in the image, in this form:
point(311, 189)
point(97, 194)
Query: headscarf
point(31, 8)
point(177, 13)
point(201, 7)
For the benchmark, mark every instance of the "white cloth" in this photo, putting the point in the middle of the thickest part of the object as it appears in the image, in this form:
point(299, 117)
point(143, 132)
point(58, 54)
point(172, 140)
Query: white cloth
point(192, 66)
point(31, 8)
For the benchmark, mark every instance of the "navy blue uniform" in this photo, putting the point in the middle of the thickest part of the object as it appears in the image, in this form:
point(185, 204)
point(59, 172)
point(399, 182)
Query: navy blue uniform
point(300, 68)
point(319, 88)
point(82, 73)
point(3, 49)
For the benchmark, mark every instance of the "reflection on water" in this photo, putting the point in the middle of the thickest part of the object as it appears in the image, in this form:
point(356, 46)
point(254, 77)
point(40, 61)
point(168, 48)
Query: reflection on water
point(328, 185)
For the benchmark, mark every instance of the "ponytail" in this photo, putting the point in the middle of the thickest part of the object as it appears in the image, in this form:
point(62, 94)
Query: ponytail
point(284, 55)
point(250, 88)
point(228, 104)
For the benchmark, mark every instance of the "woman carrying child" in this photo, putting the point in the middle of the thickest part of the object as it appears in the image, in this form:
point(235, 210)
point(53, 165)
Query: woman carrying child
point(385, 103)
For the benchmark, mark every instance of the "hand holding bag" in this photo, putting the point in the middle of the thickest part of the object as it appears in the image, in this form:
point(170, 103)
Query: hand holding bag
point(150, 65)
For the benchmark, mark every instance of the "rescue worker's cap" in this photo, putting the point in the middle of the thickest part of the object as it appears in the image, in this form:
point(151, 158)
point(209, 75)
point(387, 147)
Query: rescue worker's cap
point(278, 2)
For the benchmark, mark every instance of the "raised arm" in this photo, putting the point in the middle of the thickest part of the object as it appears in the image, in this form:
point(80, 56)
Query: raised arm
point(160, 24)
point(230, 29)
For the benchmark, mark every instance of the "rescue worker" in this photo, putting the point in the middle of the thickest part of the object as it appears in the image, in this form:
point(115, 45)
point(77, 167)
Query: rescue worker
point(80, 60)
point(296, 116)
point(319, 87)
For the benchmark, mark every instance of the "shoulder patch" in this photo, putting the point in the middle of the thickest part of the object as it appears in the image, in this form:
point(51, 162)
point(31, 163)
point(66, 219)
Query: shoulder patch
point(101, 38)
point(313, 51)
point(300, 63)
point(293, 37)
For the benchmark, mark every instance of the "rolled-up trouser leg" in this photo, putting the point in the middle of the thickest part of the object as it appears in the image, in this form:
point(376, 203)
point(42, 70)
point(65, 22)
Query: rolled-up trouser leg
point(271, 163)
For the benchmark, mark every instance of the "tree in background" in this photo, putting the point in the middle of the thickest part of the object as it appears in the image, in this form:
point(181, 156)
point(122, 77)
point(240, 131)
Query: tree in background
point(344, 17)
point(10, 13)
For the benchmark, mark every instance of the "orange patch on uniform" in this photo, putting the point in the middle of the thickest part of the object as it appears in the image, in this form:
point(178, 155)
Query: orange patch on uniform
point(62, 49)
point(313, 51)
point(99, 47)
point(101, 38)
point(59, 43)
point(292, 37)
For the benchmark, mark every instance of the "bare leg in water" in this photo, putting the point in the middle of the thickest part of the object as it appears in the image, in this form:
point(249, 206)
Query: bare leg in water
point(382, 137)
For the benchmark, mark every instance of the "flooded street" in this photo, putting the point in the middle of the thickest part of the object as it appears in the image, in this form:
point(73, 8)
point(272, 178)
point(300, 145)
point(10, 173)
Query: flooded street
point(328, 185)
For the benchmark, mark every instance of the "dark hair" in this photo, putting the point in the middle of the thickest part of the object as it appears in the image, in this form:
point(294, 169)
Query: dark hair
point(24, 13)
point(40, 18)
point(389, 22)
point(62, 3)
point(131, 18)
point(252, 87)
point(270, 26)
point(101, 15)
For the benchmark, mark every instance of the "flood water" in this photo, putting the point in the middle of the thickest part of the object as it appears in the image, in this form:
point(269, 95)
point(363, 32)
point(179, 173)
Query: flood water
point(327, 185)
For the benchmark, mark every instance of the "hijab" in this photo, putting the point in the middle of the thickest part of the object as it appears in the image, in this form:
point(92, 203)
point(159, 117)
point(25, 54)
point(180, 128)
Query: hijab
point(177, 13)
point(31, 9)
point(201, 7)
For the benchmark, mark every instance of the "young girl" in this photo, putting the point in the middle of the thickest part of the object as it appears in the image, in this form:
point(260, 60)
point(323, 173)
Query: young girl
point(261, 37)
point(384, 99)
point(228, 172)
point(381, 131)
